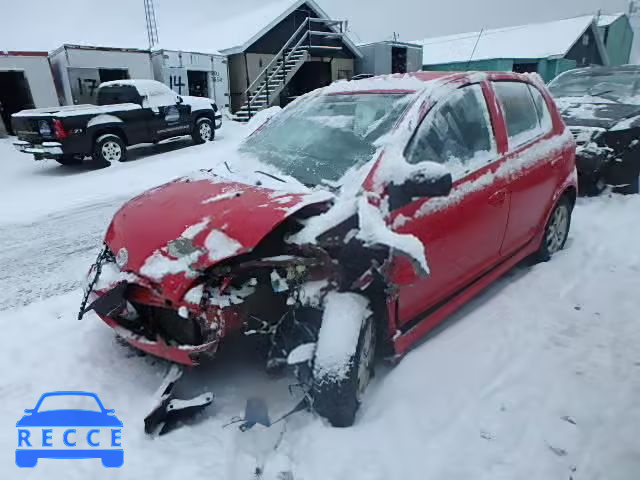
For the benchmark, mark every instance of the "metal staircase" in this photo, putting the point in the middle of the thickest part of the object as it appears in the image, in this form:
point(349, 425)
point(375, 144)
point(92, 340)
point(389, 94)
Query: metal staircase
point(265, 89)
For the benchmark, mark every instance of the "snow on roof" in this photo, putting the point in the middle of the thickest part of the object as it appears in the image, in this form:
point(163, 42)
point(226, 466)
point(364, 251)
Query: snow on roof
point(606, 20)
point(235, 34)
point(538, 40)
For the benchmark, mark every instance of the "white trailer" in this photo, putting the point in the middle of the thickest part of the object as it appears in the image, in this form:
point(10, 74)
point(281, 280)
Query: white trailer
point(382, 58)
point(25, 82)
point(193, 73)
point(78, 69)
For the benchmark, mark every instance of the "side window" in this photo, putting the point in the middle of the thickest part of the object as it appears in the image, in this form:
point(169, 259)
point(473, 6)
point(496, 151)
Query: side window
point(544, 117)
point(519, 110)
point(457, 131)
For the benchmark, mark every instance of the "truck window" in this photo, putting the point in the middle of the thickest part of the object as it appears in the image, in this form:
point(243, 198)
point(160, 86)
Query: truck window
point(114, 94)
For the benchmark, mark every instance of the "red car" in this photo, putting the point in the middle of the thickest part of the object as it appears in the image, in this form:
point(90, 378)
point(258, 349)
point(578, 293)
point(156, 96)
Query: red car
point(347, 226)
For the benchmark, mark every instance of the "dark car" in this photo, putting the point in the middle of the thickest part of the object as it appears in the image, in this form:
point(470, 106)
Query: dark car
point(601, 106)
point(129, 112)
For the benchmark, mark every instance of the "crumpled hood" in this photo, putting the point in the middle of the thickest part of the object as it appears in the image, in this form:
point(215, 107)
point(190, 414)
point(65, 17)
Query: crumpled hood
point(214, 219)
point(603, 115)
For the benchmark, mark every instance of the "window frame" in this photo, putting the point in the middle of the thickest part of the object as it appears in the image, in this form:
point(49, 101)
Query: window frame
point(435, 107)
point(528, 141)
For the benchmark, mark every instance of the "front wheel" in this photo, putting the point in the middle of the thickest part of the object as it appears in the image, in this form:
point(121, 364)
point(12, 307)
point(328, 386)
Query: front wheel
point(337, 394)
point(556, 230)
point(203, 131)
point(109, 148)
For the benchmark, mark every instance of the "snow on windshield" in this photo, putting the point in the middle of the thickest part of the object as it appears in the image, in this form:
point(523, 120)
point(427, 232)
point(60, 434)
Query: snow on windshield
point(599, 84)
point(322, 137)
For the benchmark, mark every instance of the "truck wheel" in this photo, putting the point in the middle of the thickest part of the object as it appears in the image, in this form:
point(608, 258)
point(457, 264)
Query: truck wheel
point(69, 160)
point(203, 131)
point(109, 148)
point(338, 398)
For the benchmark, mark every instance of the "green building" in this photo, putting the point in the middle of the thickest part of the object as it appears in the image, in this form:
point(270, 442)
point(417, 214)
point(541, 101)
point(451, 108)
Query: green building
point(617, 35)
point(548, 48)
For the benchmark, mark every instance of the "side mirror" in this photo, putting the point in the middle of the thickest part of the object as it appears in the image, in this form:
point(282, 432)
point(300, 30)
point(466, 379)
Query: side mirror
point(179, 100)
point(419, 185)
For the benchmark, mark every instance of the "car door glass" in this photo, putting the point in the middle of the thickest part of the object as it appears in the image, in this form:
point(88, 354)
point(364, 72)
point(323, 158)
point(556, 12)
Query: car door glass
point(456, 132)
point(544, 117)
point(520, 112)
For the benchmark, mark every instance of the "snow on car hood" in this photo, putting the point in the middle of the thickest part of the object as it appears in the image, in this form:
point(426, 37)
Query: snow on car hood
point(173, 231)
point(595, 114)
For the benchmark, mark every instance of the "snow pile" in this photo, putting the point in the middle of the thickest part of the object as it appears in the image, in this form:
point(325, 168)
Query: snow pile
point(342, 319)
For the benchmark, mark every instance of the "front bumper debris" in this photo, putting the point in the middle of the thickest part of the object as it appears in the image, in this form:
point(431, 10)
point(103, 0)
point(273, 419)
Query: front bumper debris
point(40, 151)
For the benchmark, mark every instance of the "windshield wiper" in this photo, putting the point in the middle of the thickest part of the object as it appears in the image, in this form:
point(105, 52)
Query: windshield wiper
point(272, 176)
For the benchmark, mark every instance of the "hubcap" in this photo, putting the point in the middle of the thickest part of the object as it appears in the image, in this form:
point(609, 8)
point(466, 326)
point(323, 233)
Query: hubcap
point(558, 227)
point(366, 359)
point(205, 131)
point(111, 151)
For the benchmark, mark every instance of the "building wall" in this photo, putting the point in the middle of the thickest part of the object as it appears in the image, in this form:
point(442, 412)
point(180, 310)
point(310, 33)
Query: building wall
point(38, 74)
point(618, 39)
point(137, 63)
point(585, 51)
point(342, 68)
point(496, 65)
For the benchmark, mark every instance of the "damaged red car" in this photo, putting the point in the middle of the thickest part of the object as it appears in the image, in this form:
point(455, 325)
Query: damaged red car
point(345, 228)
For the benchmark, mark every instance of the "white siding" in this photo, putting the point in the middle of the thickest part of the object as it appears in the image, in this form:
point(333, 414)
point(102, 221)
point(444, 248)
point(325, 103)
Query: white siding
point(38, 75)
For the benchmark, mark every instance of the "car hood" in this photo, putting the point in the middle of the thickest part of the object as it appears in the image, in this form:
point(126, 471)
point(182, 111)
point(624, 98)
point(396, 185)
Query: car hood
point(69, 418)
point(593, 114)
point(172, 232)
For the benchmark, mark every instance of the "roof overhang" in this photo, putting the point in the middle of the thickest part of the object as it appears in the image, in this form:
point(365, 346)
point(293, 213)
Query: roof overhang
point(294, 6)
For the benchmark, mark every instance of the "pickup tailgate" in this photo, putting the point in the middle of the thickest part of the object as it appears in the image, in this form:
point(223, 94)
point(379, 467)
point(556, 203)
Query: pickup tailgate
point(36, 129)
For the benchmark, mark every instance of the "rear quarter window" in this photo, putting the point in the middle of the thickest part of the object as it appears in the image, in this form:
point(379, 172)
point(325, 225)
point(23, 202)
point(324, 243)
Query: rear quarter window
point(115, 94)
point(522, 115)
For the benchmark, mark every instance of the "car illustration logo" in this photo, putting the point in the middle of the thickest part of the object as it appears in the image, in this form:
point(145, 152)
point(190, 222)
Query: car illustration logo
point(44, 128)
point(122, 257)
point(53, 430)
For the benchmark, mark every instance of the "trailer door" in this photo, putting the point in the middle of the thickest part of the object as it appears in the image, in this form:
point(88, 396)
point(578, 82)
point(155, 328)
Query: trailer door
point(220, 82)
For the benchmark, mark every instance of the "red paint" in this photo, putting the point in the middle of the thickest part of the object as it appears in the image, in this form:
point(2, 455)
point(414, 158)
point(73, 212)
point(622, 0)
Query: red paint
point(23, 54)
point(470, 242)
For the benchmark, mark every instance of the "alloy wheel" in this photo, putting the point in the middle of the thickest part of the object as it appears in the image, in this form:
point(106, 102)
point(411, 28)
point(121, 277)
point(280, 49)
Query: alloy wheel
point(557, 230)
point(111, 151)
point(205, 131)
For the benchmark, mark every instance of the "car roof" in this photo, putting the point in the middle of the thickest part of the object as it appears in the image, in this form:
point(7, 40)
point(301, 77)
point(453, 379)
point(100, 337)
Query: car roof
point(413, 81)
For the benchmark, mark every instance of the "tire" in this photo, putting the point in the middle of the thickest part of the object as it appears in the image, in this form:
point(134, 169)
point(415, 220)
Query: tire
point(203, 131)
point(69, 160)
point(339, 400)
point(109, 148)
point(556, 231)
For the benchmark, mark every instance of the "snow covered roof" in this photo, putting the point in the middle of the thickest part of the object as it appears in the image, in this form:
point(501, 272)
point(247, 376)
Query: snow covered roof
point(537, 40)
point(235, 34)
point(606, 20)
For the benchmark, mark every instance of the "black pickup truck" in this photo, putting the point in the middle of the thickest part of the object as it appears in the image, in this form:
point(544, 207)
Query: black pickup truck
point(128, 112)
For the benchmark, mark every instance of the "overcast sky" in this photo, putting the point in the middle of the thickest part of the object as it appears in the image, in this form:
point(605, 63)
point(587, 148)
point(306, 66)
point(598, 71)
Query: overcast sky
point(46, 24)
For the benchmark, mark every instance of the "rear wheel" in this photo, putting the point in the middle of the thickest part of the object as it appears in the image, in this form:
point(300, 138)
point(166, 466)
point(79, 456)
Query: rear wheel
point(203, 131)
point(338, 400)
point(109, 148)
point(556, 231)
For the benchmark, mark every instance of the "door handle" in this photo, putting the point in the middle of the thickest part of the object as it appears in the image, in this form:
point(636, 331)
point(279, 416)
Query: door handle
point(498, 198)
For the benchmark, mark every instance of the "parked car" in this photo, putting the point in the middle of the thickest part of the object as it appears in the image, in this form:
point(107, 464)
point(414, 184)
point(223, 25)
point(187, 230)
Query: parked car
point(314, 235)
point(601, 106)
point(129, 112)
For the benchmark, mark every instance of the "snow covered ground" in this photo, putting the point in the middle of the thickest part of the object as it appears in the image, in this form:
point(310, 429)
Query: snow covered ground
point(538, 378)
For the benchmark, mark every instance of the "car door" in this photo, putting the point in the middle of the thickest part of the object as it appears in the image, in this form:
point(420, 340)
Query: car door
point(533, 176)
point(171, 113)
point(462, 233)
point(136, 122)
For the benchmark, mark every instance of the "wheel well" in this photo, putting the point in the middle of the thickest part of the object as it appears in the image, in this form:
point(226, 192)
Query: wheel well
point(111, 130)
point(203, 114)
point(571, 194)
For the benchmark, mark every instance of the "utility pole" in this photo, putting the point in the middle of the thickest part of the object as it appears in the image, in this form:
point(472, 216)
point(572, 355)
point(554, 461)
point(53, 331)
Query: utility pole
point(152, 27)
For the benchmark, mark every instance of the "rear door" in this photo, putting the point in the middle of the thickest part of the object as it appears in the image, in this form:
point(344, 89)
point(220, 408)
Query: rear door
point(135, 121)
point(463, 232)
point(532, 173)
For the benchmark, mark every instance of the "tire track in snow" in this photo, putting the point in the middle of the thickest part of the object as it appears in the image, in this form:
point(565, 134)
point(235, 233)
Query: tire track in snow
point(50, 256)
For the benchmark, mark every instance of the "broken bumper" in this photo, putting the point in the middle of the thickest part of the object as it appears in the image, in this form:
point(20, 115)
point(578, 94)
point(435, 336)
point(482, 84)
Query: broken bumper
point(40, 151)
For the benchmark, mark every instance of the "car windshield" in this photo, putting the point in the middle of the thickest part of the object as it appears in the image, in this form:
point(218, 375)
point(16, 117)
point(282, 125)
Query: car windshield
point(323, 137)
point(618, 86)
point(69, 402)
